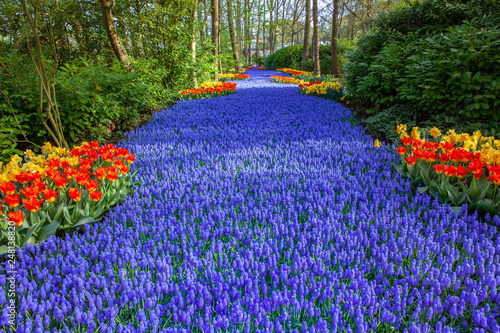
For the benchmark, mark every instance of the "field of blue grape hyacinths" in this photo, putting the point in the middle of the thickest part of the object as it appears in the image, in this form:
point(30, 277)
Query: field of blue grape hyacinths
point(263, 211)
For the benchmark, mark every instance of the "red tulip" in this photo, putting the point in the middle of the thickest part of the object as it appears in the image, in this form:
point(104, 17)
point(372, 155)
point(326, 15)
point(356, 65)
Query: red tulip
point(411, 160)
point(31, 191)
point(32, 204)
point(8, 188)
point(12, 200)
point(74, 194)
point(50, 195)
point(17, 218)
point(95, 195)
point(401, 150)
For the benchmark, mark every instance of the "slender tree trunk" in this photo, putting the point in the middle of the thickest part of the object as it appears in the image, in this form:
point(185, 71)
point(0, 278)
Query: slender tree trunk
point(264, 39)
point(258, 32)
point(202, 20)
point(193, 39)
point(219, 36)
point(270, 8)
point(47, 86)
point(109, 25)
point(335, 58)
point(283, 25)
point(238, 26)
point(307, 32)
point(215, 35)
point(317, 70)
point(232, 34)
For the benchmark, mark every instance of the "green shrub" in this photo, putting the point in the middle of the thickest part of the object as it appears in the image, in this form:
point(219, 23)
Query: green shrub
point(457, 74)
point(291, 57)
point(434, 57)
point(94, 100)
point(287, 57)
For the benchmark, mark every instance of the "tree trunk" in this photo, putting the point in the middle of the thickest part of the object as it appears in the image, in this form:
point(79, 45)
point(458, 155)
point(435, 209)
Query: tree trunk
point(307, 32)
point(283, 25)
point(215, 35)
point(264, 40)
point(239, 37)
point(232, 34)
point(335, 58)
point(317, 70)
point(109, 25)
point(47, 90)
point(193, 39)
point(258, 33)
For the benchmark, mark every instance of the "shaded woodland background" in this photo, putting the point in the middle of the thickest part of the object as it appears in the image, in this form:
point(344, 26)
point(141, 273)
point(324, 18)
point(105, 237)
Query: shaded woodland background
point(73, 70)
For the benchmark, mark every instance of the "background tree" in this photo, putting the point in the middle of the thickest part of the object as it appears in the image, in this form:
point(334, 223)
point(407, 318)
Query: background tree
point(114, 40)
point(234, 43)
point(335, 59)
point(307, 32)
point(317, 70)
point(215, 35)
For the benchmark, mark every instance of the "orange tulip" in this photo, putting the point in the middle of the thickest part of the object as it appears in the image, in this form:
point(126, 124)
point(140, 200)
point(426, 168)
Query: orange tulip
point(495, 178)
point(401, 150)
point(41, 185)
point(95, 195)
point(60, 181)
point(450, 170)
point(476, 167)
point(86, 162)
point(32, 204)
point(100, 173)
point(71, 173)
point(494, 170)
point(92, 185)
point(34, 176)
point(130, 158)
point(123, 169)
point(430, 156)
point(112, 174)
point(76, 152)
point(74, 194)
point(11, 200)
point(17, 218)
point(82, 178)
point(444, 157)
point(31, 191)
point(461, 171)
point(411, 160)
point(438, 168)
point(50, 195)
point(22, 178)
point(54, 163)
point(8, 188)
point(406, 141)
point(446, 146)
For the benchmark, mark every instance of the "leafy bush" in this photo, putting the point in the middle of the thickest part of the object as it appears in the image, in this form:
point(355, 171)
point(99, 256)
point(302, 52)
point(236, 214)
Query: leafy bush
point(432, 60)
point(291, 57)
point(94, 99)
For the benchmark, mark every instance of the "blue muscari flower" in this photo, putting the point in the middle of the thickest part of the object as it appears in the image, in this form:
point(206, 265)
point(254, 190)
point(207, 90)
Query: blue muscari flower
point(265, 222)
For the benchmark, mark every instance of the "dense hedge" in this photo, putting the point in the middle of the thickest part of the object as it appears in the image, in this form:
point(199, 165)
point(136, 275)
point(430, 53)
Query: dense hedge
point(291, 57)
point(95, 99)
point(436, 57)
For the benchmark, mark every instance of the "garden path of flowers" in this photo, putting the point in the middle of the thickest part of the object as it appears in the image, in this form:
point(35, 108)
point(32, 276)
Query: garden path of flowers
point(264, 211)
